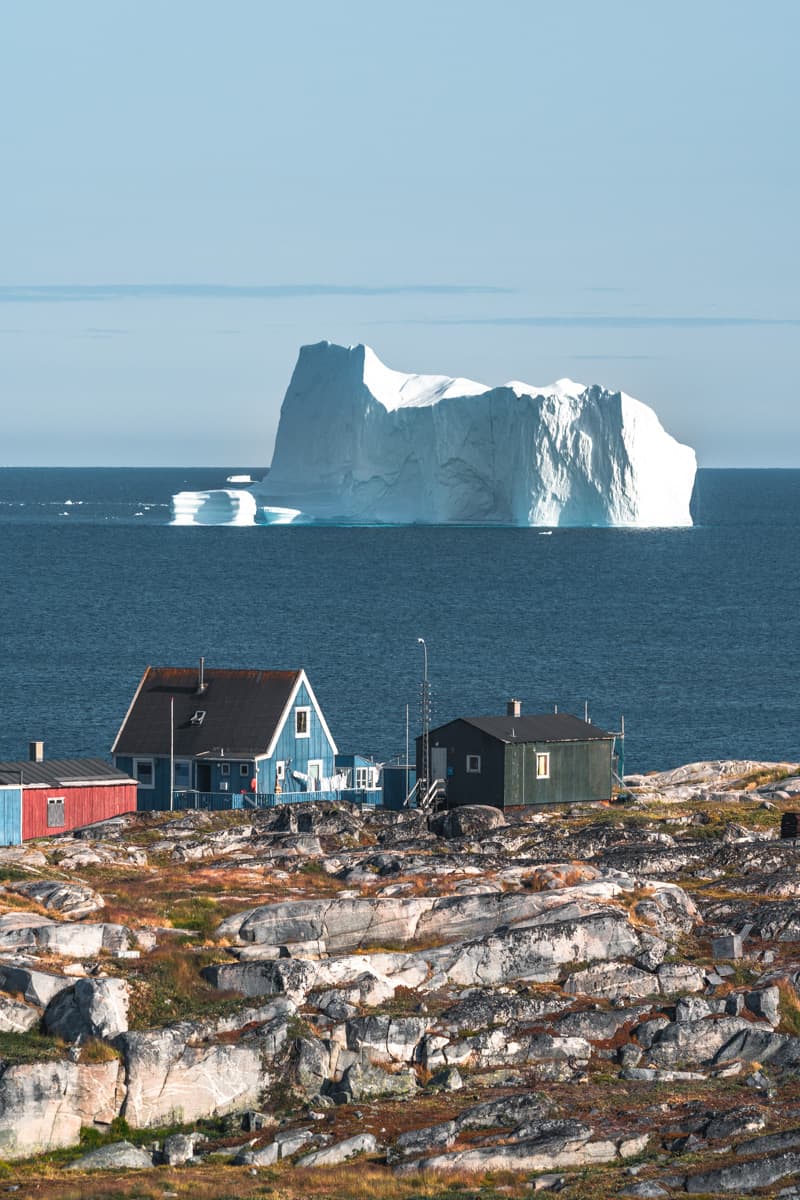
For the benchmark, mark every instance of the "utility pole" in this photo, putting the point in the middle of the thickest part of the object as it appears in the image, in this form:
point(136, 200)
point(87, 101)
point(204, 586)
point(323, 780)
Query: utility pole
point(425, 713)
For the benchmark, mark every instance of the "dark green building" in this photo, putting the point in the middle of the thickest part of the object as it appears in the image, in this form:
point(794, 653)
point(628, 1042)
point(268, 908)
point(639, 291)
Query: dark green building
point(519, 760)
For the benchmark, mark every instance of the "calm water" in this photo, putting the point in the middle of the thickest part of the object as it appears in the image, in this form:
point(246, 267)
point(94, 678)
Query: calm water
point(692, 634)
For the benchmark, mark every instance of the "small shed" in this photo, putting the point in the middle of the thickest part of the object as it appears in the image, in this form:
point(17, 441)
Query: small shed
point(517, 760)
point(40, 797)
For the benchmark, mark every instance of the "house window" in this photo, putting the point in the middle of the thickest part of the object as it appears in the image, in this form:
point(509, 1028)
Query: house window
point(314, 773)
point(183, 773)
point(55, 812)
point(244, 770)
point(280, 770)
point(473, 764)
point(362, 778)
point(144, 772)
point(302, 722)
point(542, 766)
point(224, 768)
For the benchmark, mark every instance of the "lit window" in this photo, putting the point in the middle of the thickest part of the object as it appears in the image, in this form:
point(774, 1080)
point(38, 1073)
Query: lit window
point(144, 772)
point(473, 764)
point(302, 722)
point(542, 766)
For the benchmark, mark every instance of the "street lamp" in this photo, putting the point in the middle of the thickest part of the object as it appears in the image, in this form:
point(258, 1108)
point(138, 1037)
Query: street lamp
point(425, 706)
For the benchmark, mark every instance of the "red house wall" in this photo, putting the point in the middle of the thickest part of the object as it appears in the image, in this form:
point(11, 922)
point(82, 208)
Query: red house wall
point(83, 804)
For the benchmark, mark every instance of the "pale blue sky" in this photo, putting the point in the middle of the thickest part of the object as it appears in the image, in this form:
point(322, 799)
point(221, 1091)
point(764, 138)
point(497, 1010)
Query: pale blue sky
point(605, 189)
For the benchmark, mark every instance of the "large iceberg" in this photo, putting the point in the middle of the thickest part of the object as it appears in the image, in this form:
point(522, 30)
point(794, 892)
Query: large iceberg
point(358, 442)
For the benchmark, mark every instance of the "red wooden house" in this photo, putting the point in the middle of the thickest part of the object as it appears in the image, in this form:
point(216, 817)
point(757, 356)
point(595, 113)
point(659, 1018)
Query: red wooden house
point(39, 798)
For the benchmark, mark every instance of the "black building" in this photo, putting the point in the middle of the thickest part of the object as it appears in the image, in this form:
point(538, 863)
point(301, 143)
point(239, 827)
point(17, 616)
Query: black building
point(519, 760)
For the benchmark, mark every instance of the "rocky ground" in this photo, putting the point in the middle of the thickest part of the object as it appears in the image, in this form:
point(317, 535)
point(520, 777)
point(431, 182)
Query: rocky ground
point(312, 1000)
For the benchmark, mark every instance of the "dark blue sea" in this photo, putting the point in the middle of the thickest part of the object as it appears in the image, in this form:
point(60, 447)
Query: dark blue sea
point(691, 634)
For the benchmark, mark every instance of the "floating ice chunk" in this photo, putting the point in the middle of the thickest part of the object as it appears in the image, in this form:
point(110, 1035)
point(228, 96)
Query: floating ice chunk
point(225, 506)
point(277, 516)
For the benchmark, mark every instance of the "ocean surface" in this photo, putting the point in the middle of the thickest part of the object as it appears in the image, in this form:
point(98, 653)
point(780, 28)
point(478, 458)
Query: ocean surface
point(691, 634)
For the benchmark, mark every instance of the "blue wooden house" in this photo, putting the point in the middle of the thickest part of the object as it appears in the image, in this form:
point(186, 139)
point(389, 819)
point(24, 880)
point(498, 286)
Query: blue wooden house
point(247, 735)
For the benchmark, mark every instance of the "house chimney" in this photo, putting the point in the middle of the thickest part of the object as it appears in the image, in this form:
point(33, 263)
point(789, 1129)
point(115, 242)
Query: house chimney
point(36, 752)
point(514, 708)
point(201, 685)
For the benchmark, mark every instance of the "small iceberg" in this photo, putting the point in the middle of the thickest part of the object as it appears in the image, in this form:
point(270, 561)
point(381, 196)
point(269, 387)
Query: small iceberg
point(223, 506)
point(240, 479)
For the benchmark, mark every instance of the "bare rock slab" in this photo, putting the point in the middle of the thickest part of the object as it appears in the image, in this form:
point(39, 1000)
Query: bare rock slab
point(43, 1106)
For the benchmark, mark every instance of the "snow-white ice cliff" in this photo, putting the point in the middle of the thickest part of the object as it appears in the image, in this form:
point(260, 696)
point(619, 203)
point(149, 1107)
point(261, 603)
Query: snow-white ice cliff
point(359, 442)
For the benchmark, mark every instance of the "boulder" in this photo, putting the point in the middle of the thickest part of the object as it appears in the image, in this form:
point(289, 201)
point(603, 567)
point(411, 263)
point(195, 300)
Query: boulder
point(744, 1176)
point(468, 820)
point(179, 1148)
point(16, 1017)
point(696, 1041)
point(613, 981)
point(420, 1141)
point(674, 978)
point(310, 1064)
point(331, 1156)
point(92, 1008)
point(274, 977)
point(37, 987)
point(121, 1156)
point(363, 1083)
point(385, 1039)
point(70, 899)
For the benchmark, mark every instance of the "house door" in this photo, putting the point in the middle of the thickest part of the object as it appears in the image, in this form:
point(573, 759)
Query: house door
point(204, 777)
point(439, 763)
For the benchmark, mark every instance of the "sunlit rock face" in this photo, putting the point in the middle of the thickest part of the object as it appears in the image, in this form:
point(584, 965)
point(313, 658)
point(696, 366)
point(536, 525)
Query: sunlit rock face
point(358, 442)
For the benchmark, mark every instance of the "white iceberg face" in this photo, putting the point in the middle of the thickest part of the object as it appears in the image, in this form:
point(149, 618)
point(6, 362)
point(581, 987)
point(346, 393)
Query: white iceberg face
point(358, 442)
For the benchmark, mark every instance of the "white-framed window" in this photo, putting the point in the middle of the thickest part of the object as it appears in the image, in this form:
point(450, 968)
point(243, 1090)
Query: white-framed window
point(362, 778)
point(473, 764)
point(302, 722)
point(224, 768)
point(244, 770)
point(542, 766)
point(314, 772)
point(280, 770)
point(183, 773)
point(55, 812)
point(144, 771)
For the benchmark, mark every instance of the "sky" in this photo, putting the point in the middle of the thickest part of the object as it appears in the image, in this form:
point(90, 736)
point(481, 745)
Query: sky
point(516, 190)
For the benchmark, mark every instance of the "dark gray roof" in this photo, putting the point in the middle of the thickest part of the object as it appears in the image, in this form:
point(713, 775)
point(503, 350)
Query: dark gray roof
point(242, 710)
point(546, 727)
point(62, 772)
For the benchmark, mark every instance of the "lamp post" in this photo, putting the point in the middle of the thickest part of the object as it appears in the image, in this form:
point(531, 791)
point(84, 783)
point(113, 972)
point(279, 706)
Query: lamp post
point(425, 706)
